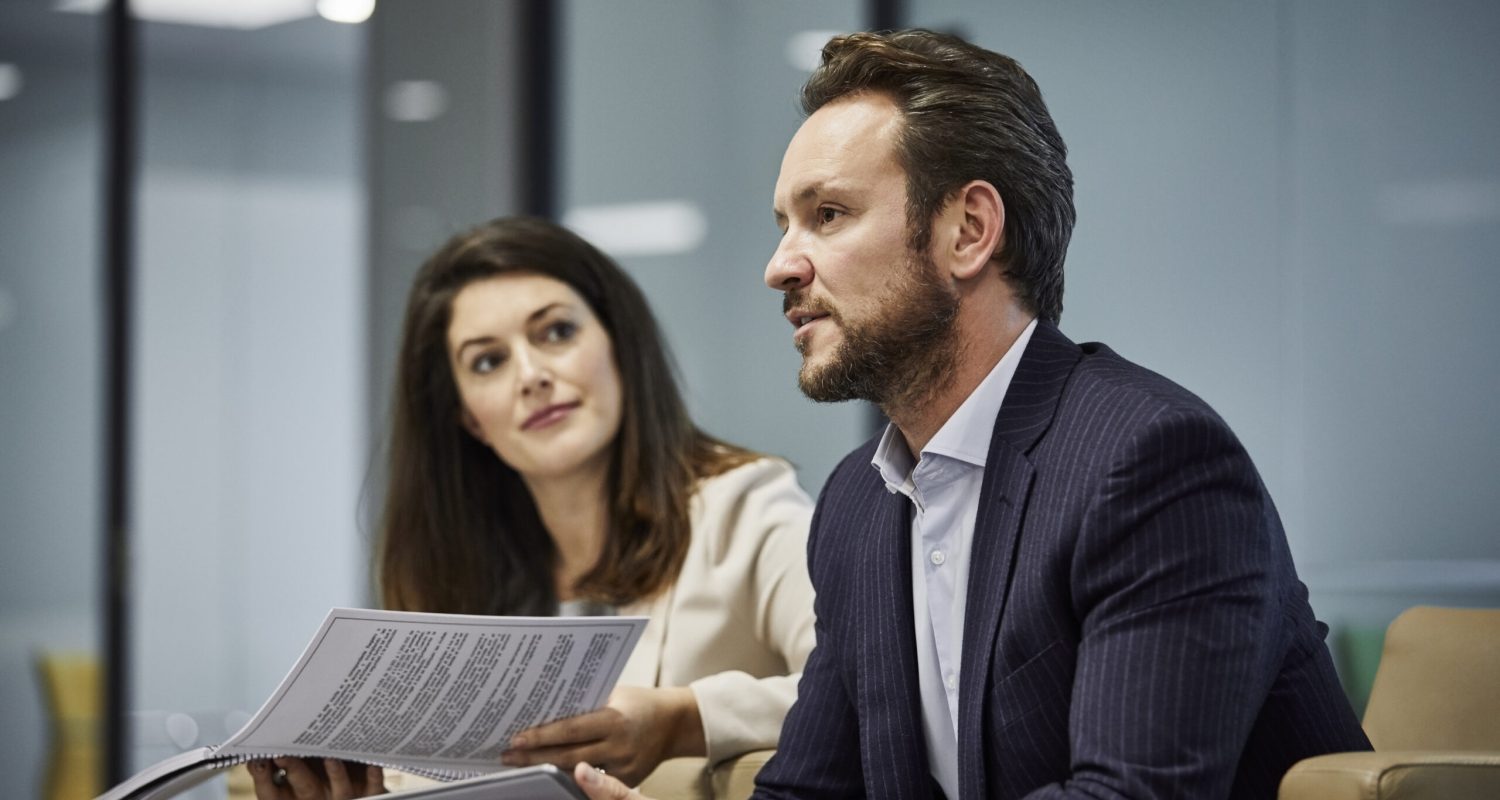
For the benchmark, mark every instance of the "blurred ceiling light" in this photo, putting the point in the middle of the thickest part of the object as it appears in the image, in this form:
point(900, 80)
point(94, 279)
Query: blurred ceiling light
point(415, 101)
point(804, 49)
point(10, 81)
point(351, 12)
point(239, 14)
point(663, 227)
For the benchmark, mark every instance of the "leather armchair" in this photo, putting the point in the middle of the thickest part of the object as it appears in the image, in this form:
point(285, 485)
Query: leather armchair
point(689, 778)
point(1433, 717)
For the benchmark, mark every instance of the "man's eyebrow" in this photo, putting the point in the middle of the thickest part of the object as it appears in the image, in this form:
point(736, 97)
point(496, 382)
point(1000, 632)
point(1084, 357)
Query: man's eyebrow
point(804, 194)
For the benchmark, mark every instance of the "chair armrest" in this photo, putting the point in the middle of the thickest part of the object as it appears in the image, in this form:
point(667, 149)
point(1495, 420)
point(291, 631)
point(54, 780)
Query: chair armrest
point(1394, 775)
point(678, 779)
point(734, 779)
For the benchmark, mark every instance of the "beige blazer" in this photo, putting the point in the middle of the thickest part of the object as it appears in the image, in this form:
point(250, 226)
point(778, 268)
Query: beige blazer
point(737, 625)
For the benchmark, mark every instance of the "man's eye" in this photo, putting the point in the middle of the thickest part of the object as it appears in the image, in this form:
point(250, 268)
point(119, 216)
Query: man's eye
point(827, 215)
point(559, 331)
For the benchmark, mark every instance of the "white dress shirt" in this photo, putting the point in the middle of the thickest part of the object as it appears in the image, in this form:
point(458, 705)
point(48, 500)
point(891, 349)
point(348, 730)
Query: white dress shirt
point(943, 486)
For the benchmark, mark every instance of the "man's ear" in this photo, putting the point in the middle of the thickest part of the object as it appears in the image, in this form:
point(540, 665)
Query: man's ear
point(975, 222)
point(471, 424)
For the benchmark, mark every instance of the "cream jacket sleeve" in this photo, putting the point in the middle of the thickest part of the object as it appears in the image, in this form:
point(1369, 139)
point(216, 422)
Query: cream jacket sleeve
point(737, 625)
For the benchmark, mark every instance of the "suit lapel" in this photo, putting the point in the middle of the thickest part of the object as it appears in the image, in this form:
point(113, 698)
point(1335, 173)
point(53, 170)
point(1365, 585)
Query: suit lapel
point(1026, 413)
point(894, 751)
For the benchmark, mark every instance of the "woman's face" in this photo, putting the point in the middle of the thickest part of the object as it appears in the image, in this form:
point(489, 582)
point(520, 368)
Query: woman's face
point(536, 374)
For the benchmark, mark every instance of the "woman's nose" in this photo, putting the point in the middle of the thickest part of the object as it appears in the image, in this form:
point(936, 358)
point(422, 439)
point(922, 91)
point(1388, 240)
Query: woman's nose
point(536, 376)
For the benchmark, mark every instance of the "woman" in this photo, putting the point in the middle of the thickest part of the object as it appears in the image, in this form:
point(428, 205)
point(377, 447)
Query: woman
point(543, 462)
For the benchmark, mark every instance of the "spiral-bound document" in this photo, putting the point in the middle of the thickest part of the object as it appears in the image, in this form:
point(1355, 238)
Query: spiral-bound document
point(434, 694)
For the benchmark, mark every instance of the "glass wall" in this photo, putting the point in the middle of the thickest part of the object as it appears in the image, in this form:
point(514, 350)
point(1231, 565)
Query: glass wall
point(674, 119)
point(249, 387)
point(1294, 210)
point(51, 396)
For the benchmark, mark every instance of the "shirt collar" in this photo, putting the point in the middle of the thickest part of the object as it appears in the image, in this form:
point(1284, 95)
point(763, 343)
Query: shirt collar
point(965, 436)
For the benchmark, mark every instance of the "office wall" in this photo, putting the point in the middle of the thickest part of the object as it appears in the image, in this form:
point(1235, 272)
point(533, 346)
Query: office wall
point(249, 404)
point(443, 89)
point(675, 116)
point(1294, 210)
point(51, 381)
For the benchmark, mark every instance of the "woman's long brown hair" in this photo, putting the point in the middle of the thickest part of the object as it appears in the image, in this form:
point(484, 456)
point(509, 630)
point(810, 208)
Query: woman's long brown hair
point(459, 532)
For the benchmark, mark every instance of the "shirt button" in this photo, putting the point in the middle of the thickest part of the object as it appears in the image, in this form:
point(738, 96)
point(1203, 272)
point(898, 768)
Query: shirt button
point(952, 684)
point(938, 558)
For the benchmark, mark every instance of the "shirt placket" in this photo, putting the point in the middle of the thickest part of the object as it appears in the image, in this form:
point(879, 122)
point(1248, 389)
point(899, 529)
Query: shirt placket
point(938, 532)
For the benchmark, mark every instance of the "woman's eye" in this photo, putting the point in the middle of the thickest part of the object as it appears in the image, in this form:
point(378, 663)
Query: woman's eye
point(487, 362)
point(559, 331)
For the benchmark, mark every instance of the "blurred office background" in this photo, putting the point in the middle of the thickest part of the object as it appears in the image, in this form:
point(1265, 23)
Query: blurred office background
point(1291, 208)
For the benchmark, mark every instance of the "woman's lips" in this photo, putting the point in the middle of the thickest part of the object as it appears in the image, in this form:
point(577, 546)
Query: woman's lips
point(550, 415)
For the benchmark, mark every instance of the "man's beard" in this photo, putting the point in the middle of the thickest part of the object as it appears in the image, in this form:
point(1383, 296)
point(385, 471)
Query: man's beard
point(904, 351)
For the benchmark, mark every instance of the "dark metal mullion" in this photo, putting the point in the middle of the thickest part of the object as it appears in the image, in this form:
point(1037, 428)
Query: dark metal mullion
point(120, 167)
point(886, 15)
point(540, 56)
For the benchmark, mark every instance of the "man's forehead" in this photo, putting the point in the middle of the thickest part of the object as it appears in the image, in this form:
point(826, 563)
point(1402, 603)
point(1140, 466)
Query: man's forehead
point(842, 144)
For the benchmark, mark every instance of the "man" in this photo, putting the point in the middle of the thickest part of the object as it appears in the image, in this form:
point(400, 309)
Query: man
point(1057, 574)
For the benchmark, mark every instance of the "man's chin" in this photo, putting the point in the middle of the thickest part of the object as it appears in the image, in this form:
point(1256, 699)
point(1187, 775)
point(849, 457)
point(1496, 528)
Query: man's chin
point(821, 383)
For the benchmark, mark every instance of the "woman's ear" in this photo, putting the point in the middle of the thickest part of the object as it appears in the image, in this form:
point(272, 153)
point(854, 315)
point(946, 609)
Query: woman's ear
point(975, 222)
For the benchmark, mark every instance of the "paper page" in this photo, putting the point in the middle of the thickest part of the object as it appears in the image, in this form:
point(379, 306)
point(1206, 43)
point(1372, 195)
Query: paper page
point(166, 777)
point(436, 691)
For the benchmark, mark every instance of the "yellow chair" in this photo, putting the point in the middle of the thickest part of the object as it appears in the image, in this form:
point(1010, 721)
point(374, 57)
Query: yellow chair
point(1433, 716)
point(72, 693)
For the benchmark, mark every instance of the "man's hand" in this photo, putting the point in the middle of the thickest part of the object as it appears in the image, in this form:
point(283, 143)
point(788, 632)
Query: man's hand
point(636, 731)
point(599, 786)
point(310, 779)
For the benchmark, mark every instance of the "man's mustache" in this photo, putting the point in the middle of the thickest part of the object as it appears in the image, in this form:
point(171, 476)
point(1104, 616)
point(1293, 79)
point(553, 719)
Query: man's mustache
point(805, 300)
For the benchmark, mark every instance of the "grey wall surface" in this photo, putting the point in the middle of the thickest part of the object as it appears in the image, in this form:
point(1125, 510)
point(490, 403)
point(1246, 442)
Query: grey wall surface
point(431, 177)
point(694, 103)
point(1294, 210)
point(249, 410)
point(51, 378)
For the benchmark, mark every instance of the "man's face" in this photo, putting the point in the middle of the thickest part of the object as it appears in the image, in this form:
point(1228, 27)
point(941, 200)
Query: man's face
point(872, 319)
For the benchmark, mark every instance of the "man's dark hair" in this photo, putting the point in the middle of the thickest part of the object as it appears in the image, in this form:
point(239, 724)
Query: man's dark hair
point(968, 114)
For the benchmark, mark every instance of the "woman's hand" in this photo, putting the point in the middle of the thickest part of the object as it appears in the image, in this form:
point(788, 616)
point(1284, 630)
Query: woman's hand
point(637, 730)
point(599, 786)
point(315, 779)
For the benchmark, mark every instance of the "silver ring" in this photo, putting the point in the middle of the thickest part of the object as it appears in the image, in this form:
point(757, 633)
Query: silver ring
point(601, 770)
point(278, 778)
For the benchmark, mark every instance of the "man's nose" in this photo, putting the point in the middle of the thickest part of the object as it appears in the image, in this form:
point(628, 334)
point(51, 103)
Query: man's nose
point(789, 267)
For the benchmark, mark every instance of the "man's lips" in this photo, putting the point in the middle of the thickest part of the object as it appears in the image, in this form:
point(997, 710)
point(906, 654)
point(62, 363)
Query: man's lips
point(801, 318)
point(548, 416)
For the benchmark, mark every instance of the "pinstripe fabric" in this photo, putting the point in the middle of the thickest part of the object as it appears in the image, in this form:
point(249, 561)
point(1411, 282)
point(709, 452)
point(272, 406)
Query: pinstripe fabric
point(1135, 627)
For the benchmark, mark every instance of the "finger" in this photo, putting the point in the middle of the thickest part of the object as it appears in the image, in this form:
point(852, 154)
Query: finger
point(564, 757)
point(374, 780)
point(583, 728)
point(599, 786)
point(260, 775)
point(306, 785)
point(339, 785)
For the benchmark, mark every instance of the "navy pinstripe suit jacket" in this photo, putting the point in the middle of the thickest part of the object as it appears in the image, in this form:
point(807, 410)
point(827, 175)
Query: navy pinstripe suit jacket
point(1134, 625)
